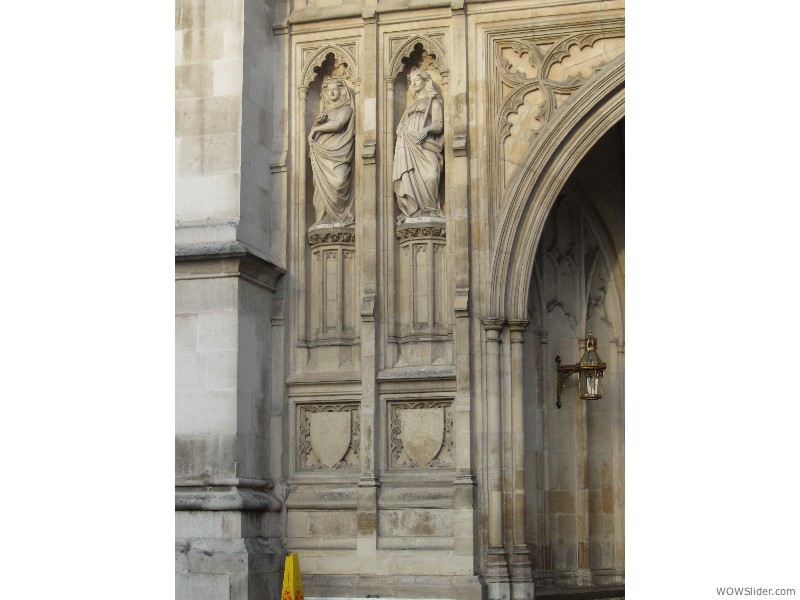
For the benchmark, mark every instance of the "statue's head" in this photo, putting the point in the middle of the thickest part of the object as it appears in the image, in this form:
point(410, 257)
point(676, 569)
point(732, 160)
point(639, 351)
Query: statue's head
point(421, 84)
point(334, 92)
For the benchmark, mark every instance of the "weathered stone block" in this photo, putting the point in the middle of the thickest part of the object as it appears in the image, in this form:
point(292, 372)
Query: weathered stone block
point(208, 560)
point(201, 587)
point(228, 77)
point(194, 80)
point(217, 330)
point(209, 154)
point(198, 524)
point(207, 116)
point(201, 295)
point(200, 45)
point(206, 411)
point(416, 522)
point(185, 333)
point(190, 370)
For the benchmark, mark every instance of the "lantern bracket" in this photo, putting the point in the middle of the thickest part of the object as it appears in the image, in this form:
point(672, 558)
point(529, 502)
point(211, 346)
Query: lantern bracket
point(564, 373)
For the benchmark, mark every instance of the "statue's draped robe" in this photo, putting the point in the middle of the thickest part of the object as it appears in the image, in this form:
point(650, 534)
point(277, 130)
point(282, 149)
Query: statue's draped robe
point(417, 167)
point(331, 156)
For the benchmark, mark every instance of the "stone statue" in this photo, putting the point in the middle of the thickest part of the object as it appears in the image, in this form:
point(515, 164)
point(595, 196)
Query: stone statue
point(418, 153)
point(330, 147)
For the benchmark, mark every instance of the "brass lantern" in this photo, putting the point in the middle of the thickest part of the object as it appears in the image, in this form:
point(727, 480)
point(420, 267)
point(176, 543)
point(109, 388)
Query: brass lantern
point(590, 373)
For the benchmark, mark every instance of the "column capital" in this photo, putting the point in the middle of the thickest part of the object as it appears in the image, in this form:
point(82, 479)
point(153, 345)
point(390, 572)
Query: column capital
point(493, 324)
point(517, 329)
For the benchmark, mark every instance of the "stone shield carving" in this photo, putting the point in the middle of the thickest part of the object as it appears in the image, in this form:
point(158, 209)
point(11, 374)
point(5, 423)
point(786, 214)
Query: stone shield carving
point(330, 436)
point(422, 433)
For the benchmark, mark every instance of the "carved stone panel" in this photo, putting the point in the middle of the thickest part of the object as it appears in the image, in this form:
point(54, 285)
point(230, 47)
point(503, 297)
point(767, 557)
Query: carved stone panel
point(533, 77)
point(328, 436)
point(421, 435)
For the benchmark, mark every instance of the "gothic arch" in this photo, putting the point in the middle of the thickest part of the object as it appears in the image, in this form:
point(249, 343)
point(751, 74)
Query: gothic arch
point(340, 54)
point(532, 190)
point(408, 47)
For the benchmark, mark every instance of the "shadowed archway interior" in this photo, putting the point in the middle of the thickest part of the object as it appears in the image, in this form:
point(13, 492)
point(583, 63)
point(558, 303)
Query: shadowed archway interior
point(575, 454)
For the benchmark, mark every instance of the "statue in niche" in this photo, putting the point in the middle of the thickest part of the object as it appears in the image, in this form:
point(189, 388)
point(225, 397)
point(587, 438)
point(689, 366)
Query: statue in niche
point(330, 147)
point(418, 157)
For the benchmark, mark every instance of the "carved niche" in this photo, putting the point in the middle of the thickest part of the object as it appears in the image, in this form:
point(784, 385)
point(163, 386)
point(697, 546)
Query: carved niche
point(418, 121)
point(421, 435)
point(331, 117)
point(328, 436)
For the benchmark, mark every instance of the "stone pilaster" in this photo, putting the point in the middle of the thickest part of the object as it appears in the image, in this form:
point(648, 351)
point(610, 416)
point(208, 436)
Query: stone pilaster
point(227, 538)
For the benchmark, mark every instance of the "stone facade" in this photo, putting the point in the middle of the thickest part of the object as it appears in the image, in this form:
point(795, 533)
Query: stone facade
point(366, 329)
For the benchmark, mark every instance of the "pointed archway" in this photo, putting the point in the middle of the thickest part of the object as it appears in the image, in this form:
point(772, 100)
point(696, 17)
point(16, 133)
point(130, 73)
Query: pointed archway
point(531, 194)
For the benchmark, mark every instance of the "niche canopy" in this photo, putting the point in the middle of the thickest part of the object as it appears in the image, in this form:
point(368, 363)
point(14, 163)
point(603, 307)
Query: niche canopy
point(590, 373)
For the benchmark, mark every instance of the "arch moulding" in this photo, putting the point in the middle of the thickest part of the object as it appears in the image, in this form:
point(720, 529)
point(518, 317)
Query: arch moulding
point(584, 118)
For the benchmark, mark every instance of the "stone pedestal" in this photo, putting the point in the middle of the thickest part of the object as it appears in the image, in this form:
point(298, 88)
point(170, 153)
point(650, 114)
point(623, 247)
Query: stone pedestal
point(423, 326)
point(332, 305)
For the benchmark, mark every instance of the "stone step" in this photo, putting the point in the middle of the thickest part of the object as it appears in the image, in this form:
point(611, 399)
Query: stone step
point(595, 592)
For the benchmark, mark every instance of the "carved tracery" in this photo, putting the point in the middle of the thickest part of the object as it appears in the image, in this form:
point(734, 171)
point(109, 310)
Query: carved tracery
point(533, 78)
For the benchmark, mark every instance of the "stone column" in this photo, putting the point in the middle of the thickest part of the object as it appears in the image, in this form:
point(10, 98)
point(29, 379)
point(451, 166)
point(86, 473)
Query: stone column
point(583, 573)
point(388, 204)
point(496, 568)
point(618, 444)
point(299, 211)
point(520, 564)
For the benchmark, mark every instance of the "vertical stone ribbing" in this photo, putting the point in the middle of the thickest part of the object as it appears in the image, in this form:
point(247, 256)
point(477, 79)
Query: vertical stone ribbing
point(520, 564)
point(366, 221)
point(497, 567)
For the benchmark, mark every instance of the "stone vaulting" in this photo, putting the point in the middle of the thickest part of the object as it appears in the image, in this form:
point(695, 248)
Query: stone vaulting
point(391, 217)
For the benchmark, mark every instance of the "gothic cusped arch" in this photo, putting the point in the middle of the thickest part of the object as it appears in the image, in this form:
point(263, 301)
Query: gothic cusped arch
point(532, 190)
point(432, 46)
point(341, 55)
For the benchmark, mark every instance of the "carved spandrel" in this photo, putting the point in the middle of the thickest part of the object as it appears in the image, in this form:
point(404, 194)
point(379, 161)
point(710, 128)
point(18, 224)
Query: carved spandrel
point(534, 79)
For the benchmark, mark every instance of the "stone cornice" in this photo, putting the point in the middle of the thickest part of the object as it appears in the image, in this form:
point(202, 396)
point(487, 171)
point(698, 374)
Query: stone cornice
point(226, 259)
point(226, 497)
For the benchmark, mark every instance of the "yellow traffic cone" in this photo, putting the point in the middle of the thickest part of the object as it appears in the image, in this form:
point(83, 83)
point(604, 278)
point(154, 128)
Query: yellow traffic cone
point(292, 586)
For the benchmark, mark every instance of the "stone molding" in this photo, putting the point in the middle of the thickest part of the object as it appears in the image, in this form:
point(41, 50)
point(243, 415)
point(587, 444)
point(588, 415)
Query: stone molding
point(417, 373)
point(222, 497)
point(345, 236)
point(226, 259)
point(417, 231)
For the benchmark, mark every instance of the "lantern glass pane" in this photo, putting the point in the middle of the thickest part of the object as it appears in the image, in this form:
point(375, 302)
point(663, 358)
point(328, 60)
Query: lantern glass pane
point(591, 384)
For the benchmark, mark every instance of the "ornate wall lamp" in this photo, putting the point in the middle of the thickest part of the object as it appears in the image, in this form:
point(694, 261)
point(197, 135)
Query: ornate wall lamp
point(590, 373)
